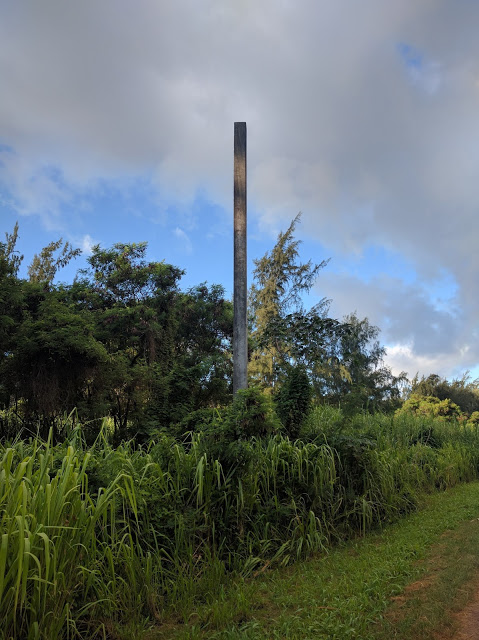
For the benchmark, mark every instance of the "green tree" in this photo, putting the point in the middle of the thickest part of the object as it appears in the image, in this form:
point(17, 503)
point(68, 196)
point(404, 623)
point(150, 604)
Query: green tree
point(203, 345)
point(10, 289)
point(279, 282)
point(462, 391)
point(430, 406)
point(356, 376)
point(11, 299)
point(134, 305)
point(293, 400)
point(122, 340)
point(53, 353)
point(45, 265)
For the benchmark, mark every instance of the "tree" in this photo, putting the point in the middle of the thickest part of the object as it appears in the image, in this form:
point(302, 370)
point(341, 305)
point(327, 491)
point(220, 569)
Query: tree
point(200, 373)
point(134, 305)
point(430, 406)
point(293, 401)
point(203, 345)
point(10, 288)
point(279, 282)
point(45, 265)
point(356, 376)
point(53, 352)
point(11, 299)
point(462, 391)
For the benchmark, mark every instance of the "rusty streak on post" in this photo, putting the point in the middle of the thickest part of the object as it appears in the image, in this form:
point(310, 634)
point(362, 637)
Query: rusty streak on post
point(240, 329)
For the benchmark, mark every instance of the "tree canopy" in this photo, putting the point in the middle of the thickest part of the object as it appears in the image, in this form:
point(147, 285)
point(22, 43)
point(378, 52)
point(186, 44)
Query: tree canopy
point(124, 341)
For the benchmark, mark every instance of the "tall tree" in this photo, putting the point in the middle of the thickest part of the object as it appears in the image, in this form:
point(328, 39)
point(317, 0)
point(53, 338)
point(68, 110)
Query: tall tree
point(357, 377)
point(279, 282)
point(45, 265)
point(134, 304)
point(10, 289)
point(53, 352)
point(462, 391)
point(203, 345)
point(11, 298)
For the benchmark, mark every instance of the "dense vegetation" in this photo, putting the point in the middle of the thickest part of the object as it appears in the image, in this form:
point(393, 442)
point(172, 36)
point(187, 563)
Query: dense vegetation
point(132, 485)
point(98, 537)
point(124, 341)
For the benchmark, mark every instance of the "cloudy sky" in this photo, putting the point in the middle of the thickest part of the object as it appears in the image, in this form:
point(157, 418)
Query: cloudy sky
point(116, 125)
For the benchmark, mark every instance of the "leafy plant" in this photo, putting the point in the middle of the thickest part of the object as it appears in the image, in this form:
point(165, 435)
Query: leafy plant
point(252, 414)
point(293, 400)
point(430, 405)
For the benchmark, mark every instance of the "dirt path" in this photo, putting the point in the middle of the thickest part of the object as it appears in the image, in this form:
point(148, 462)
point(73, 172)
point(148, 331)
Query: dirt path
point(467, 621)
point(457, 625)
point(443, 604)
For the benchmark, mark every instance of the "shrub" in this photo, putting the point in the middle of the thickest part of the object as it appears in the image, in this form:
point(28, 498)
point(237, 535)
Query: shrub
point(321, 421)
point(197, 421)
point(474, 419)
point(293, 402)
point(252, 414)
point(430, 406)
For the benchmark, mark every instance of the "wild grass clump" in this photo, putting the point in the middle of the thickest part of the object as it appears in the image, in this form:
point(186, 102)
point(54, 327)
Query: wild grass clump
point(92, 537)
point(63, 552)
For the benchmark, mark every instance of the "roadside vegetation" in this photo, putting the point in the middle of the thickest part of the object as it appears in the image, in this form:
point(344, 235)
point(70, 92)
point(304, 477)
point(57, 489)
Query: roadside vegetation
point(134, 490)
point(408, 581)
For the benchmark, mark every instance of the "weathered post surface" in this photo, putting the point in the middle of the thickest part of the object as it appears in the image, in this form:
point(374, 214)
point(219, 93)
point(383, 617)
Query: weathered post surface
point(240, 329)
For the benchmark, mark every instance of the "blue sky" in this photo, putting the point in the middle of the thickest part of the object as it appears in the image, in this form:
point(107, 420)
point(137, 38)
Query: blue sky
point(116, 125)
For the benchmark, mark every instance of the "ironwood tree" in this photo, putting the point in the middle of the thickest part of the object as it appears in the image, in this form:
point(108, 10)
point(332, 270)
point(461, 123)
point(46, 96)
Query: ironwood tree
point(279, 281)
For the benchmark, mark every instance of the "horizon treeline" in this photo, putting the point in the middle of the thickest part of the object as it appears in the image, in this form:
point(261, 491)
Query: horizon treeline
point(124, 341)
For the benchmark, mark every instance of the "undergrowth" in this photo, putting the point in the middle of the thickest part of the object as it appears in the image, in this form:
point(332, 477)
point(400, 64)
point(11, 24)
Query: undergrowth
point(96, 537)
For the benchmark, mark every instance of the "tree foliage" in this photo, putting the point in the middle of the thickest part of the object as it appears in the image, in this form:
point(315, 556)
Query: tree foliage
point(356, 376)
point(293, 400)
point(277, 316)
point(54, 353)
point(123, 341)
point(342, 359)
point(430, 406)
point(462, 391)
point(10, 289)
point(45, 265)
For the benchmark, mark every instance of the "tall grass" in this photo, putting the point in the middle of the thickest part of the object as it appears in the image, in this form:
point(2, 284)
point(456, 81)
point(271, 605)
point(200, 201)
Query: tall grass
point(93, 537)
point(59, 546)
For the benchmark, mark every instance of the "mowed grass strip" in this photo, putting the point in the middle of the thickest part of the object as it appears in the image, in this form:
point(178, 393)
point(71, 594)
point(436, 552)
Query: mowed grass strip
point(358, 589)
point(433, 607)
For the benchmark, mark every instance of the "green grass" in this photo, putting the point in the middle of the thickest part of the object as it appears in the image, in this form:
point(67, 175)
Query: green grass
point(103, 542)
point(448, 583)
point(347, 593)
point(59, 547)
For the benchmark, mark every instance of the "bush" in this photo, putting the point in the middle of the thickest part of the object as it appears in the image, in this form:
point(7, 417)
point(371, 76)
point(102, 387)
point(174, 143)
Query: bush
point(322, 421)
point(474, 419)
point(430, 406)
point(293, 402)
point(197, 421)
point(252, 414)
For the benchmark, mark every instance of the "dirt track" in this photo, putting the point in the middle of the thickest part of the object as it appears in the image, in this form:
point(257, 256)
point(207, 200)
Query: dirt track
point(468, 621)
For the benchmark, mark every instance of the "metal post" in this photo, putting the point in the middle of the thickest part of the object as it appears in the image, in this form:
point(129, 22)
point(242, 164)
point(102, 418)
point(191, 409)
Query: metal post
point(240, 328)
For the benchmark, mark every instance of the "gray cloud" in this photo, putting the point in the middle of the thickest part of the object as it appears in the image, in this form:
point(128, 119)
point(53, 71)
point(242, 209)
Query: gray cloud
point(374, 147)
point(423, 335)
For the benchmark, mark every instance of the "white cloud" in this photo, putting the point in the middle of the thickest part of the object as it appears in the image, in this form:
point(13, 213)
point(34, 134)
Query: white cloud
point(186, 245)
point(401, 357)
point(426, 333)
point(372, 152)
point(87, 243)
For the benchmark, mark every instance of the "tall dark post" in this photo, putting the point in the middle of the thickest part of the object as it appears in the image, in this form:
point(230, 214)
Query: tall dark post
point(240, 329)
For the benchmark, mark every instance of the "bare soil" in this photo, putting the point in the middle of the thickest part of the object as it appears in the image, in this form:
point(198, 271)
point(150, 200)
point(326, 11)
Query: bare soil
point(466, 622)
